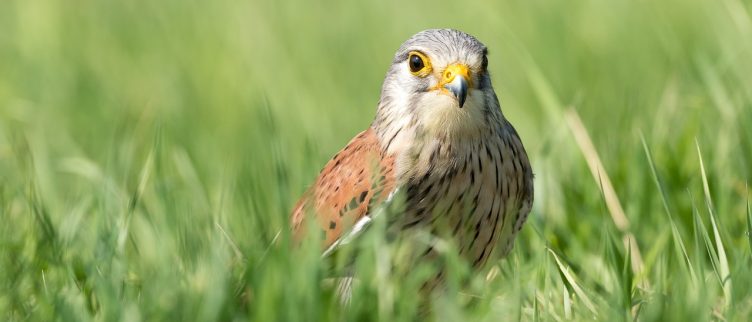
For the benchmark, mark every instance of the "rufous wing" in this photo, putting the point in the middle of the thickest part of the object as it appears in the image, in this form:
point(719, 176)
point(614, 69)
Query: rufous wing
point(352, 183)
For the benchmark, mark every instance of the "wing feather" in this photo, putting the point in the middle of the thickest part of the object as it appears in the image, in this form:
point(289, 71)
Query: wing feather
point(352, 183)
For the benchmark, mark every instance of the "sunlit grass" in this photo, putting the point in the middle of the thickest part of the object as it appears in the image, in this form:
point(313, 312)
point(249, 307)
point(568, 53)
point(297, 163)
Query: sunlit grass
point(150, 152)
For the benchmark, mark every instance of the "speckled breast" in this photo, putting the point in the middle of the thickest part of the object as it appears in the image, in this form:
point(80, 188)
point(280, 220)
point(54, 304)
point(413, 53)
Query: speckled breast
point(479, 200)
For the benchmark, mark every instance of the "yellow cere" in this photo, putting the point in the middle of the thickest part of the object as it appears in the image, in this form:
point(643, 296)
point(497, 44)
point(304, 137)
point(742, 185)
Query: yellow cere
point(452, 71)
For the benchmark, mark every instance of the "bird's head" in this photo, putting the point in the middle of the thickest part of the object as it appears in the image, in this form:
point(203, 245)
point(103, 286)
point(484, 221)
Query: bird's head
point(439, 81)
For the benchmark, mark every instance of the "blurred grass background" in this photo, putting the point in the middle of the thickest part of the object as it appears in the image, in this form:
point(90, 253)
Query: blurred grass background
point(150, 152)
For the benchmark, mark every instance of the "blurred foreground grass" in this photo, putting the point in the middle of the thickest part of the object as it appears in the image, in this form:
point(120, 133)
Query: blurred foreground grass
point(151, 150)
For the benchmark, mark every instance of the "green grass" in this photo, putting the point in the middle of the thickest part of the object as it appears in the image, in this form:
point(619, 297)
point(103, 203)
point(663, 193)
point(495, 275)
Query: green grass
point(150, 152)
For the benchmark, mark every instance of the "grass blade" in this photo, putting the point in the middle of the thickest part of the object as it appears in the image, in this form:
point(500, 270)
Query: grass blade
point(749, 222)
point(678, 241)
point(573, 283)
point(723, 266)
point(598, 171)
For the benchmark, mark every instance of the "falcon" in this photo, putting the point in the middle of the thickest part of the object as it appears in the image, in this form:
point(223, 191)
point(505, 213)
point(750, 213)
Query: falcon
point(440, 138)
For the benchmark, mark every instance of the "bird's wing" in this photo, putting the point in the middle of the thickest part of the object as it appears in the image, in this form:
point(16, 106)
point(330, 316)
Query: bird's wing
point(351, 185)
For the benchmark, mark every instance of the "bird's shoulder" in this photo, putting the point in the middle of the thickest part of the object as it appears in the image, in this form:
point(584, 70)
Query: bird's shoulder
point(356, 179)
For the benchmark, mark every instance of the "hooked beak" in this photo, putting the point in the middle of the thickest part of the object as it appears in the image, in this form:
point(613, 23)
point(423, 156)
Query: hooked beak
point(456, 79)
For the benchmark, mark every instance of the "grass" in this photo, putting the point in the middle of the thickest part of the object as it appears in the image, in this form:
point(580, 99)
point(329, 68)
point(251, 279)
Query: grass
point(150, 152)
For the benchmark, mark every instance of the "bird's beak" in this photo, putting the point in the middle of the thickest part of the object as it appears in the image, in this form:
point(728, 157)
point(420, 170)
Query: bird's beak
point(456, 79)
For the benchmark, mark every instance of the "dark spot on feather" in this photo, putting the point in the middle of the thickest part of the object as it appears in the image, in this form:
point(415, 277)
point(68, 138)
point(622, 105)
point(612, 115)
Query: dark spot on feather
point(433, 156)
point(498, 176)
point(480, 258)
point(477, 233)
point(353, 204)
point(370, 203)
point(457, 228)
point(332, 224)
point(412, 223)
point(363, 196)
point(426, 190)
point(392, 139)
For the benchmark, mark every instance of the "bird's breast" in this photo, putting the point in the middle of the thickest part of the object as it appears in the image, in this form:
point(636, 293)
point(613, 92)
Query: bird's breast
point(468, 192)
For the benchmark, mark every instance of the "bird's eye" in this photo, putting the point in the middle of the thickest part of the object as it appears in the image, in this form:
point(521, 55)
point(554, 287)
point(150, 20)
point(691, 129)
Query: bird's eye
point(418, 63)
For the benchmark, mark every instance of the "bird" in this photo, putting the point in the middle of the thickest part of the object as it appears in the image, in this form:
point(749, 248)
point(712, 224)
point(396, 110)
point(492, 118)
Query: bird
point(440, 139)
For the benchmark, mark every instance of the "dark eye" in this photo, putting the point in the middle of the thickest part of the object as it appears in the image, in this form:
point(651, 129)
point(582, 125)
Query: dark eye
point(416, 63)
point(419, 64)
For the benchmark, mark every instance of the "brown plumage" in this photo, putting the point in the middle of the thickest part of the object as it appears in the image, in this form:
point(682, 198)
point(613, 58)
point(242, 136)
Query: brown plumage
point(358, 177)
point(440, 138)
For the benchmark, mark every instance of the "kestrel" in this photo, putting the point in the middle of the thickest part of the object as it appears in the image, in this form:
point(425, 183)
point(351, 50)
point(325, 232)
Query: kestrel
point(439, 137)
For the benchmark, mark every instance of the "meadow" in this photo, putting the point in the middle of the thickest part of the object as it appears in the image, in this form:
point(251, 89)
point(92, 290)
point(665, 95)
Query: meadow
point(150, 153)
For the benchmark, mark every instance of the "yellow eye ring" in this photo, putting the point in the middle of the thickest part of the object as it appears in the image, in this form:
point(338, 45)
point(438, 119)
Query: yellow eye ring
point(419, 64)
